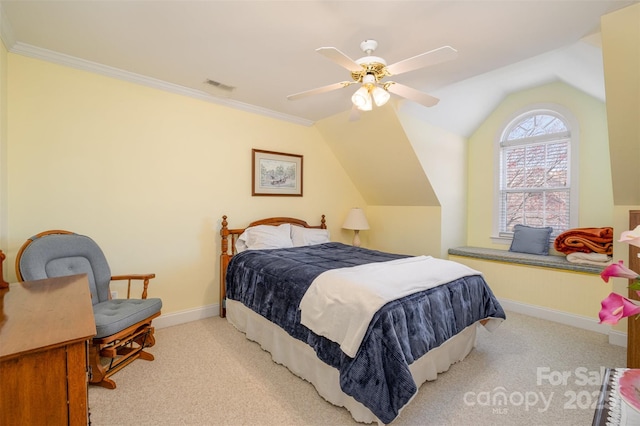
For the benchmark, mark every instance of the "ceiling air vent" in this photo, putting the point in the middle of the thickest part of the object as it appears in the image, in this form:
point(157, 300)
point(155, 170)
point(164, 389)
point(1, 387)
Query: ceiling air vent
point(219, 85)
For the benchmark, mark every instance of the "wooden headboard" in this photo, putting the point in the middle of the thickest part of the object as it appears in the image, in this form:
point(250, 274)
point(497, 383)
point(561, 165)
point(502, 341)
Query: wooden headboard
point(228, 246)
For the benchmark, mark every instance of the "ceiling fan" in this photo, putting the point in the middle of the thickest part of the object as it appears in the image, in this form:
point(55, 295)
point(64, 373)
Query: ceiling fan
point(369, 71)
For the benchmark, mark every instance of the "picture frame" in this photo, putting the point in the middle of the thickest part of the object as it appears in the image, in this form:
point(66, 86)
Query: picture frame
point(276, 174)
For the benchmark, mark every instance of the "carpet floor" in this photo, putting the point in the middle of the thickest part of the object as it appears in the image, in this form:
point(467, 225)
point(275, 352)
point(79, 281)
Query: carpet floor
point(527, 372)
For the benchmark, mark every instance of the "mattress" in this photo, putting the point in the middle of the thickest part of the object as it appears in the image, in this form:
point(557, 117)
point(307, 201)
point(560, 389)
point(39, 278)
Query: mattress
point(272, 283)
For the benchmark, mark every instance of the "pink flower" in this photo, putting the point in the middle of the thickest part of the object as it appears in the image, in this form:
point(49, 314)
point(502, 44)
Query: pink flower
point(618, 270)
point(616, 307)
point(631, 237)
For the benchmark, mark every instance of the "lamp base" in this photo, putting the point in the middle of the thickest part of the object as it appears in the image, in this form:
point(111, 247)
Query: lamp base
point(356, 238)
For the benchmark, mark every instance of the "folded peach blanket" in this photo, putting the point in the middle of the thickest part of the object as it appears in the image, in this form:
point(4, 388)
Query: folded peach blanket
point(585, 240)
point(598, 259)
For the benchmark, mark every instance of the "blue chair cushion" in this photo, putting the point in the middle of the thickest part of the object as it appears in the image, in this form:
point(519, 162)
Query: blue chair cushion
point(115, 315)
point(60, 255)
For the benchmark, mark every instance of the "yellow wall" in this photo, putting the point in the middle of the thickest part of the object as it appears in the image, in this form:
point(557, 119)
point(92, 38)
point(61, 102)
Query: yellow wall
point(414, 204)
point(404, 229)
point(600, 140)
point(574, 293)
point(401, 206)
point(621, 54)
point(375, 152)
point(148, 174)
point(3, 148)
point(596, 199)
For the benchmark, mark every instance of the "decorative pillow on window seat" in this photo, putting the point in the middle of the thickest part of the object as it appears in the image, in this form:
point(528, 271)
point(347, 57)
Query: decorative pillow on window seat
point(528, 239)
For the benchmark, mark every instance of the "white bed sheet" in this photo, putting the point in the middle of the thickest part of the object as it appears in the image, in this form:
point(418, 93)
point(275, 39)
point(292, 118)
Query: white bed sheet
point(301, 359)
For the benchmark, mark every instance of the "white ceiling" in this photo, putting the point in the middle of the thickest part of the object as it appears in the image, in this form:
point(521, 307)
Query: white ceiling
point(266, 49)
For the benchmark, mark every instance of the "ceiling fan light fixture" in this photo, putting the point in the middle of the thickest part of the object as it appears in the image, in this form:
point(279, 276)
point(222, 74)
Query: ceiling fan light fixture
point(380, 96)
point(368, 105)
point(370, 71)
point(361, 97)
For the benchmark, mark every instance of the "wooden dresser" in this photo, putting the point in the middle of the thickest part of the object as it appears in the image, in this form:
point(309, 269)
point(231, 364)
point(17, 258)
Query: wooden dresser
point(44, 329)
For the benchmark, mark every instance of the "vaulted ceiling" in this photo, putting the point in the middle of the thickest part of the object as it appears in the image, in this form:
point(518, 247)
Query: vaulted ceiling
point(265, 50)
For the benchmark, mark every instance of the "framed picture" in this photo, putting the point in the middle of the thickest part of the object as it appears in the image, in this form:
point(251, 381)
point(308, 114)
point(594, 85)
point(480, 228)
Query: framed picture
point(276, 173)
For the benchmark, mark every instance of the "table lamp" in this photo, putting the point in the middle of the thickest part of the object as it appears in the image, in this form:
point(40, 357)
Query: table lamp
point(357, 221)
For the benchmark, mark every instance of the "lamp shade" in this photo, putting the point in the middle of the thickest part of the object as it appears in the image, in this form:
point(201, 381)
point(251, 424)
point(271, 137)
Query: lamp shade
point(356, 220)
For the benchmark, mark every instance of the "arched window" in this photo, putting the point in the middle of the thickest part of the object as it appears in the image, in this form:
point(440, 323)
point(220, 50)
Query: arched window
point(535, 172)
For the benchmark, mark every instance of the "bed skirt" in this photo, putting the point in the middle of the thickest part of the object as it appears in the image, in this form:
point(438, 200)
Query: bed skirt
point(301, 359)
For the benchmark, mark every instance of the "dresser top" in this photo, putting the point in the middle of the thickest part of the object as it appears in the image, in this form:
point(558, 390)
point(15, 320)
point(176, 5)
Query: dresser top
point(45, 313)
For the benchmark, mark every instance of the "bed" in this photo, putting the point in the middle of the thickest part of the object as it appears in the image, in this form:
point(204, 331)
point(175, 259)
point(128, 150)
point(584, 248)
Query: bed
point(289, 288)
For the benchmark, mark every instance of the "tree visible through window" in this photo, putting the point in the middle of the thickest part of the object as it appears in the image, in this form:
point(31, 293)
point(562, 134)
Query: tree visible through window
point(535, 185)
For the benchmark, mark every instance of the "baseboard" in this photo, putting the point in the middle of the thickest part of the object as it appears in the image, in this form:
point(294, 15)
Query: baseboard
point(618, 338)
point(188, 315)
point(586, 323)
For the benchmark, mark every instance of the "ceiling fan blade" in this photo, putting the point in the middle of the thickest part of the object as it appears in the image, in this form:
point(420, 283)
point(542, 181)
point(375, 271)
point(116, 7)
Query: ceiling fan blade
point(339, 58)
point(432, 57)
point(354, 115)
point(317, 91)
point(412, 94)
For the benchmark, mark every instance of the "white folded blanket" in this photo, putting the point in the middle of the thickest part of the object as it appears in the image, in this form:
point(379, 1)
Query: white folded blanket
point(599, 259)
point(340, 303)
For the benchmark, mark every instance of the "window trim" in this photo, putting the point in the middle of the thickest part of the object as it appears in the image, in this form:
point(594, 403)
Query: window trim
point(574, 130)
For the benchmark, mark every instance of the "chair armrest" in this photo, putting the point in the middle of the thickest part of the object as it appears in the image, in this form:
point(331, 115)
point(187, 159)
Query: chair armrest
point(139, 277)
point(133, 277)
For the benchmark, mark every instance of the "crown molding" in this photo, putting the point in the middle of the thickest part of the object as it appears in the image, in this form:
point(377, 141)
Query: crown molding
point(94, 67)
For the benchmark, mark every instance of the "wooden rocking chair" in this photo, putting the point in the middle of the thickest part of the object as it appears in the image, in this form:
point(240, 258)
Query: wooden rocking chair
point(123, 325)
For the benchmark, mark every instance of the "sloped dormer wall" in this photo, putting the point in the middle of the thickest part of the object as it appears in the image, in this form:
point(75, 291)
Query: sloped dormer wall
point(394, 161)
point(621, 57)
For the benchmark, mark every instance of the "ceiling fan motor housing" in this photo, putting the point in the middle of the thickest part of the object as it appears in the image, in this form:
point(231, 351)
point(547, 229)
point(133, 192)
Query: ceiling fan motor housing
point(373, 65)
point(370, 65)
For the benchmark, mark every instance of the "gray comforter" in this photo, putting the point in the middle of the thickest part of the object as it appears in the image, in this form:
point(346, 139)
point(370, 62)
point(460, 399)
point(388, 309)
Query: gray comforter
point(272, 283)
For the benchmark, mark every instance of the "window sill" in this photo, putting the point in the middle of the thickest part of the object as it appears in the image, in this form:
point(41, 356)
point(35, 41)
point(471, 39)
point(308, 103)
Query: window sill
point(501, 240)
point(551, 261)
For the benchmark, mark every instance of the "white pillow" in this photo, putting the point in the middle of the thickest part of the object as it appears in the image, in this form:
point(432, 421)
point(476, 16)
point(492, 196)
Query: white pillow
point(307, 236)
point(240, 244)
point(265, 237)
